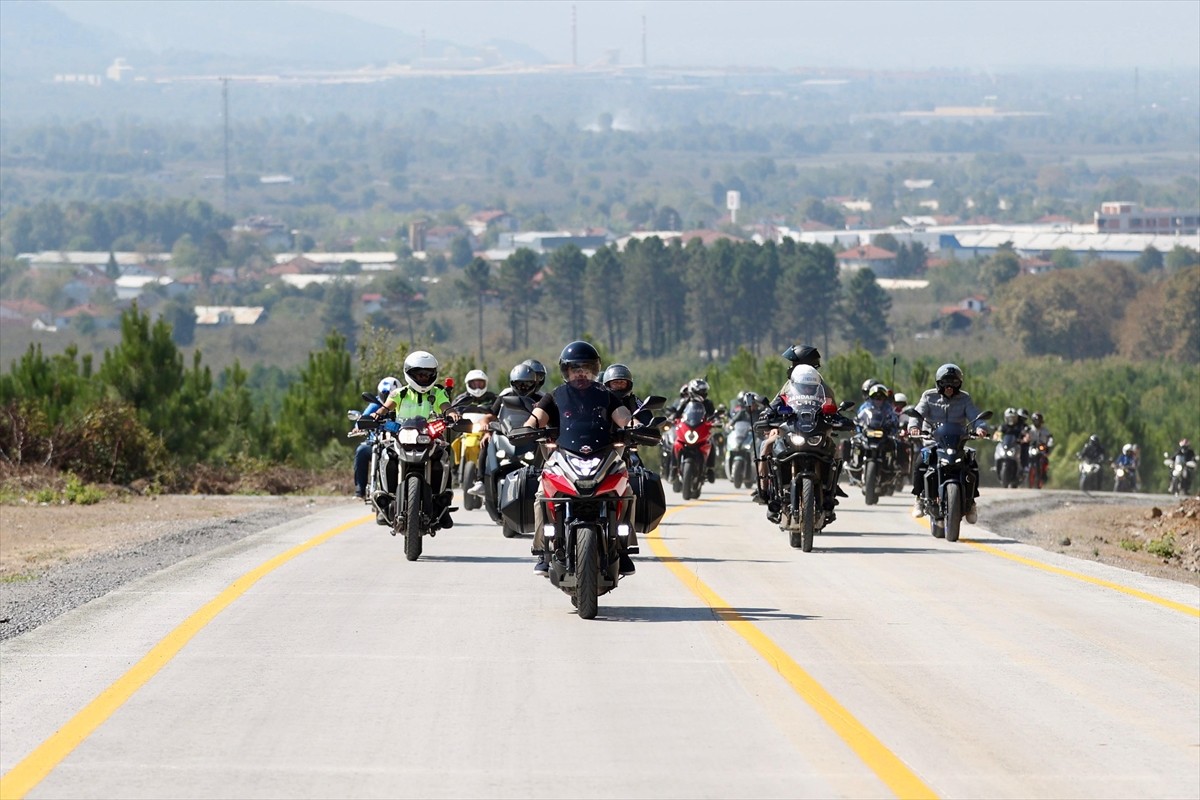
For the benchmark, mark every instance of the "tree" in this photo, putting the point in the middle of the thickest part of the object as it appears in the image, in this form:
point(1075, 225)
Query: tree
point(401, 294)
point(314, 409)
point(1150, 260)
point(1064, 258)
point(1181, 257)
point(337, 312)
point(518, 296)
point(473, 286)
point(602, 285)
point(111, 269)
point(181, 316)
point(808, 292)
point(460, 252)
point(1161, 322)
point(1001, 268)
point(563, 282)
point(865, 309)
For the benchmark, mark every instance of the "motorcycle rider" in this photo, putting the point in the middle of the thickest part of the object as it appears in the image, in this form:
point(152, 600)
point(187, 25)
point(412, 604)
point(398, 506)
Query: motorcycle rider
point(423, 396)
point(1093, 451)
point(477, 393)
point(945, 403)
point(591, 411)
point(619, 380)
point(801, 355)
point(522, 382)
point(879, 403)
point(1128, 461)
point(1038, 433)
point(1185, 450)
point(362, 453)
point(696, 389)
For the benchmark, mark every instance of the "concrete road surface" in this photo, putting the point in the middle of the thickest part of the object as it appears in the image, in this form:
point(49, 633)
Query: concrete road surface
point(313, 661)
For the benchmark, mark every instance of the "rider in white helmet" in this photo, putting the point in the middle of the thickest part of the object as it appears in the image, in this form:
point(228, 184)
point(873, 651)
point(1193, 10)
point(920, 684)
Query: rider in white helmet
point(478, 393)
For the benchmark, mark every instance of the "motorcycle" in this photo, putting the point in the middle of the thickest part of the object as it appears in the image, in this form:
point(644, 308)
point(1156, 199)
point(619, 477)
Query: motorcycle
point(1124, 478)
point(379, 499)
point(873, 458)
point(949, 479)
point(804, 468)
point(692, 444)
point(1039, 461)
point(1089, 474)
point(739, 454)
point(1181, 473)
point(406, 495)
point(505, 458)
point(466, 453)
point(589, 509)
point(1007, 461)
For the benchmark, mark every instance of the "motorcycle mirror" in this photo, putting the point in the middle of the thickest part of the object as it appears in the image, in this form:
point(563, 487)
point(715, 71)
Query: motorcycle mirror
point(984, 417)
point(353, 415)
point(643, 415)
point(653, 402)
point(911, 411)
point(370, 398)
point(845, 404)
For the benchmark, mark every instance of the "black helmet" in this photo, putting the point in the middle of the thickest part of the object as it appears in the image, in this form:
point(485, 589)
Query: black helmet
point(618, 372)
point(1094, 439)
point(579, 354)
point(866, 387)
point(803, 354)
point(698, 387)
point(949, 375)
point(538, 369)
point(522, 379)
point(1036, 419)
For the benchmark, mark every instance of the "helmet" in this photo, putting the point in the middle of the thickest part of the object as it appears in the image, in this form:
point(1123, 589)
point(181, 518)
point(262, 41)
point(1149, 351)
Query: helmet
point(1094, 439)
point(1127, 449)
point(745, 398)
point(1010, 415)
point(579, 354)
point(1023, 414)
point(698, 387)
point(803, 354)
point(900, 399)
point(538, 369)
point(387, 386)
point(619, 372)
point(1184, 442)
point(879, 392)
point(866, 387)
point(949, 375)
point(522, 379)
point(1036, 419)
point(474, 387)
point(420, 371)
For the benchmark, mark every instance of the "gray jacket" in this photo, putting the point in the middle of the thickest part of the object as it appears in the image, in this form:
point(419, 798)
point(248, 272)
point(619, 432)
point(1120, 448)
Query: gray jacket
point(937, 409)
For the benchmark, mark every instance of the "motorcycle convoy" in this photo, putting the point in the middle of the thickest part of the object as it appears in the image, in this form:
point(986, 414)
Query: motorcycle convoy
point(590, 503)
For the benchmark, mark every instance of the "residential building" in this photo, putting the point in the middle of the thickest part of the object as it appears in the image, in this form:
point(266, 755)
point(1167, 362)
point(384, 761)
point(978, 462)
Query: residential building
point(1118, 216)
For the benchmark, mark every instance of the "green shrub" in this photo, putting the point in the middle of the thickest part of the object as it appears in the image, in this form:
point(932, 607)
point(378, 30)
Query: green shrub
point(81, 493)
point(1164, 547)
point(1131, 545)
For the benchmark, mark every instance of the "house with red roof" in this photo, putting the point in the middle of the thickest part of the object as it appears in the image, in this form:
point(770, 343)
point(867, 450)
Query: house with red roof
point(881, 262)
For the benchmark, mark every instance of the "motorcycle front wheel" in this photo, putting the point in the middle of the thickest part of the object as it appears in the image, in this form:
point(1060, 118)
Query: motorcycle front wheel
point(470, 501)
point(412, 530)
point(586, 573)
point(737, 473)
point(871, 483)
point(1007, 479)
point(953, 507)
point(688, 479)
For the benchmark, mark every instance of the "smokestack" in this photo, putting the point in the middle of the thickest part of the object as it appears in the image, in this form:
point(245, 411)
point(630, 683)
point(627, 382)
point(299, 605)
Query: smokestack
point(574, 40)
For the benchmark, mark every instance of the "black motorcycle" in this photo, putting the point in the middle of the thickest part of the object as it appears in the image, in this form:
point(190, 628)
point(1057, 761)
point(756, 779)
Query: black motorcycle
point(804, 467)
point(873, 462)
point(950, 476)
point(503, 458)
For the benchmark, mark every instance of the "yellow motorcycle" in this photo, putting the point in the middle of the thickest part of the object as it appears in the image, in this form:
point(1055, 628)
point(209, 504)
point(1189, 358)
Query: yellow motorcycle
point(466, 454)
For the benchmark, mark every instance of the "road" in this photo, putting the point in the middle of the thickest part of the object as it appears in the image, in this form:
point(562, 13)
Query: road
point(312, 660)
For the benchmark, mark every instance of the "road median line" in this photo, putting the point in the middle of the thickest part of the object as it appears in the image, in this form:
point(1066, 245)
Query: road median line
point(886, 765)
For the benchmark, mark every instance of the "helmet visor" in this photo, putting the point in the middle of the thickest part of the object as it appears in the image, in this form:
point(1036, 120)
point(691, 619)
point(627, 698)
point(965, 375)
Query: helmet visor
point(423, 377)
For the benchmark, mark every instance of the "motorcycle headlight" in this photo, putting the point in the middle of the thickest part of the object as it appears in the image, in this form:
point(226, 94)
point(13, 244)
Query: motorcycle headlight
point(815, 440)
point(691, 437)
point(949, 451)
point(501, 452)
point(528, 456)
point(796, 439)
point(875, 434)
point(411, 436)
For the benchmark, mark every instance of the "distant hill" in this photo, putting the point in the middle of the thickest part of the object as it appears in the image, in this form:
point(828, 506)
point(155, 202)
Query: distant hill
point(37, 39)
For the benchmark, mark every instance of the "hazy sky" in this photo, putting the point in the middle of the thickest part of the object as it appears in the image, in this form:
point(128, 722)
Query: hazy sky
point(904, 34)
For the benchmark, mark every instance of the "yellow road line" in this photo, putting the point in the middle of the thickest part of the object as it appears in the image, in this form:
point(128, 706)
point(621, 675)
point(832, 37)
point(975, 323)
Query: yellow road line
point(50, 753)
point(883, 762)
point(1191, 611)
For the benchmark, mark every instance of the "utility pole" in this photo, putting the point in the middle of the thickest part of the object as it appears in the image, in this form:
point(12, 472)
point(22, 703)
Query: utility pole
point(644, 62)
point(574, 40)
point(225, 114)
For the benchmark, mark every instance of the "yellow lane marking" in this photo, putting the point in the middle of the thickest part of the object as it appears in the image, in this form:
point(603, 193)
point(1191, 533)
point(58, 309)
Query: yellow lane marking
point(50, 753)
point(1191, 611)
point(883, 762)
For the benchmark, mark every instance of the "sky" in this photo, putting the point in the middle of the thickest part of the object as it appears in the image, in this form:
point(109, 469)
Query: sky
point(978, 35)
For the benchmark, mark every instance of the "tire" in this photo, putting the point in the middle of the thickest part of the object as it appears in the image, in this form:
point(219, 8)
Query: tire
point(412, 531)
point(738, 473)
point(1175, 490)
point(1083, 482)
point(586, 572)
point(1007, 479)
point(871, 482)
point(954, 511)
point(470, 501)
point(808, 514)
point(508, 532)
point(936, 529)
point(688, 479)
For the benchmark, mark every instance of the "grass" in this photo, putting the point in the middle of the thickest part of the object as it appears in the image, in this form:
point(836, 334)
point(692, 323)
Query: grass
point(1164, 547)
point(1131, 545)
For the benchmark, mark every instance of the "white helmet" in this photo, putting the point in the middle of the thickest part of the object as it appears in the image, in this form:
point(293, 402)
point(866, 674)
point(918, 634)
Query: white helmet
point(1127, 449)
point(420, 371)
point(387, 386)
point(805, 374)
point(476, 375)
point(900, 399)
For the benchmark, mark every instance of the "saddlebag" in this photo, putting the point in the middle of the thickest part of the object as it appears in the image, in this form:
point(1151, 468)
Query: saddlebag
point(518, 490)
point(651, 499)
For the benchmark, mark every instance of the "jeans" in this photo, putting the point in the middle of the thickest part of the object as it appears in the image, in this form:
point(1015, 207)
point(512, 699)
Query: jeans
point(362, 463)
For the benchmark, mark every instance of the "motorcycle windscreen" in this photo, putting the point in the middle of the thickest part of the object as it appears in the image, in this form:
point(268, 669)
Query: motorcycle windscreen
point(949, 435)
point(584, 430)
point(693, 414)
